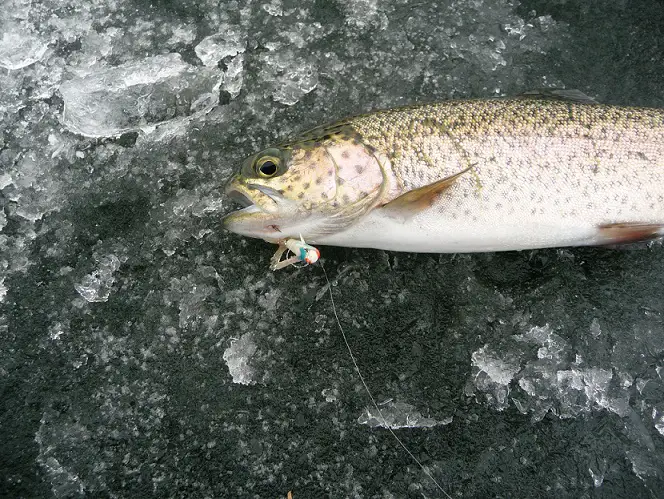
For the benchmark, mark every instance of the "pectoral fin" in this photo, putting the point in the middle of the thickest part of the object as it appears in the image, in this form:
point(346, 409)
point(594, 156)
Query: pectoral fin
point(630, 232)
point(413, 202)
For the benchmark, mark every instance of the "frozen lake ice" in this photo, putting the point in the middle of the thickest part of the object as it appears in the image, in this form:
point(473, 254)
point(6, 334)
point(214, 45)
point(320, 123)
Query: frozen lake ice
point(146, 352)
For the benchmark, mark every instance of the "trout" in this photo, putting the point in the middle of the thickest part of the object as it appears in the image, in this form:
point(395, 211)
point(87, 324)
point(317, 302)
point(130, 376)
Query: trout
point(529, 172)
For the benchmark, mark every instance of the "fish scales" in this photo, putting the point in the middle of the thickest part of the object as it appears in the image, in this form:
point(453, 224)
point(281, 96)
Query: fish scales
point(538, 173)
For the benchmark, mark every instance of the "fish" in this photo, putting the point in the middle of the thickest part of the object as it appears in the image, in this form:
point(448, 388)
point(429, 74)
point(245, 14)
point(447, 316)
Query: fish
point(539, 170)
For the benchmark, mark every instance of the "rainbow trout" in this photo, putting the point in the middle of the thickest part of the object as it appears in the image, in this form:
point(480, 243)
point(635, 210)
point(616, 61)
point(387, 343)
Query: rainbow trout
point(463, 176)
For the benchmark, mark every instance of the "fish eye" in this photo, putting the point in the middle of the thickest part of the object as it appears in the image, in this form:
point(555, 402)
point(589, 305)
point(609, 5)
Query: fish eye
point(267, 167)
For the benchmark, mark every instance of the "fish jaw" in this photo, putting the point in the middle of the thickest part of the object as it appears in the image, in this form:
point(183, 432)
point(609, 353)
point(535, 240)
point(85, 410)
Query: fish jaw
point(259, 216)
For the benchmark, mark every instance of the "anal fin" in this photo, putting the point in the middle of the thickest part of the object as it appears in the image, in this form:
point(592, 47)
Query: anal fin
point(630, 232)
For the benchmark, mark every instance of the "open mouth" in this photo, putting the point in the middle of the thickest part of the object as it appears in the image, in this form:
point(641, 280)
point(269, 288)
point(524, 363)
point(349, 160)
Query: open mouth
point(240, 198)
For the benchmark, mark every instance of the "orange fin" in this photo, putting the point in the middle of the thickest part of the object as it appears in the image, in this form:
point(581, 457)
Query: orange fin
point(630, 232)
point(413, 202)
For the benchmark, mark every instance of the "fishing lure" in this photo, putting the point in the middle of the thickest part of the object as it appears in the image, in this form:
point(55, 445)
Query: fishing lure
point(301, 252)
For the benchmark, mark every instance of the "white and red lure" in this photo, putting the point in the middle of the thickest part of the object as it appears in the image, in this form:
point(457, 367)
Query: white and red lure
point(301, 253)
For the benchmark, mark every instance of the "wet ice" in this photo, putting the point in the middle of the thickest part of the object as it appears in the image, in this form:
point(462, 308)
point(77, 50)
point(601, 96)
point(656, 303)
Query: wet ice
point(146, 349)
point(103, 102)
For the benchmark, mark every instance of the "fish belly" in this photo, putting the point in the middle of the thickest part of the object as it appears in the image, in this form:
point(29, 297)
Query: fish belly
point(427, 233)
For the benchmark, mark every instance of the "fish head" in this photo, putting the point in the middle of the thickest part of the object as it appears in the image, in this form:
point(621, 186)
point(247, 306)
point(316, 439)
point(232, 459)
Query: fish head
point(313, 186)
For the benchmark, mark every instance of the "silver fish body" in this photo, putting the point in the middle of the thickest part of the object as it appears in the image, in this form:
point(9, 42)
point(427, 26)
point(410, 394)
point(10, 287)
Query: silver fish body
point(468, 176)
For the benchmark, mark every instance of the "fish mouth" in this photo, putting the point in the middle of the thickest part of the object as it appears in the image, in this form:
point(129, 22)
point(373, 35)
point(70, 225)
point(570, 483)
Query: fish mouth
point(256, 198)
point(259, 213)
point(241, 198)
point(260, 207)
point(250, 198)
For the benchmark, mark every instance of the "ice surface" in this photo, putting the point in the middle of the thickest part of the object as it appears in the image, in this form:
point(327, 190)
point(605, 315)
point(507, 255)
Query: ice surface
point(103, 101)
point(147, 351)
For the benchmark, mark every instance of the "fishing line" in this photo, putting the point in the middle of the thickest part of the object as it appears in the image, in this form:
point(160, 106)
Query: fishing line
point(366, 387)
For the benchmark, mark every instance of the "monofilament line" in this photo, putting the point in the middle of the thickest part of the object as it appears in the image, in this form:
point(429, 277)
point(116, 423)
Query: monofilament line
point(366, 387)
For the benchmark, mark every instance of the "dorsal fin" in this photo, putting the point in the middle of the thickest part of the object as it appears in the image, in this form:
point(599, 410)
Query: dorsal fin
point(571, 95)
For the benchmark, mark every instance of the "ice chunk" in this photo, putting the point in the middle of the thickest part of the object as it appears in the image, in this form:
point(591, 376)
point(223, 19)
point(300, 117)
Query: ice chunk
point(292, 76)
point(237, 358)
point(214, 48)
point(364, 14)
point(595, 328)
point(96, 287)
point(658, 418)
point(274, 8)
point(5, 180)
point(598, 473)
point(3, 289)
point(553, 347)
point(234, 76)
point(19, 49)
point(101, 102)
point(593, 383)
point(499, 370)
point(330, 394)
point(396, 415)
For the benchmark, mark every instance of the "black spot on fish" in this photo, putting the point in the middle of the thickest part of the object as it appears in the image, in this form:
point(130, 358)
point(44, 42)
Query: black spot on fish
point(359, 168)
point(345, 154)
point(300, 195)
point(330, 172)
point(297, 178)
point(289, 187)
point(346, 198)
point(281, 191)
point(335, 204)
point(319, 181)
point(341, 181)
point(307, 155)
point(307, 185)
point(323, 195)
